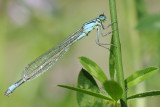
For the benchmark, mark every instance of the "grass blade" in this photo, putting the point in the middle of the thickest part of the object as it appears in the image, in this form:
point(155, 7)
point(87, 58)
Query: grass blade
point(86, 92)
point(146, 94)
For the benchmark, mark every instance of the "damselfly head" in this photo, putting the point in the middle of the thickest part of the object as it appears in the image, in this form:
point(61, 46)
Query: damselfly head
point(102, 17)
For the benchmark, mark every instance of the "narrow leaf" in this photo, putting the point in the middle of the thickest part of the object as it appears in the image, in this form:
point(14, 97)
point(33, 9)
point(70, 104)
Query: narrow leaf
point(86, 81)
point(140, 76)
point(93, 69)
point(146, 94)
point(112, 68)
point(113, 89)
point(86, 92)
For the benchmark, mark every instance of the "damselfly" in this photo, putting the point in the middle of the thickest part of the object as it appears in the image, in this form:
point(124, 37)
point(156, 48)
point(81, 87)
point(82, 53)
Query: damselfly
point(48, 59)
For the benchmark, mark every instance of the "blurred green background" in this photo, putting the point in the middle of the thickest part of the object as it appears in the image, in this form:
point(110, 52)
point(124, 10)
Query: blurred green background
point(28, 28)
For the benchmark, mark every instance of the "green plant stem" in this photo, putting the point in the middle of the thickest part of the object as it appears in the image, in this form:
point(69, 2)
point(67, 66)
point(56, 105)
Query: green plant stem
point(117, 51)
point(115, 104)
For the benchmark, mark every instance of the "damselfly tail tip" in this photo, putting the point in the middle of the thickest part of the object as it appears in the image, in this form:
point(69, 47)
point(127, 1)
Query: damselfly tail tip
point(8, 92)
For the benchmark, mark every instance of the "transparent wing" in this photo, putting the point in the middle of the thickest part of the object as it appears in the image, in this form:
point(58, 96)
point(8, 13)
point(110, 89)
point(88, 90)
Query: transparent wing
point(48, 59)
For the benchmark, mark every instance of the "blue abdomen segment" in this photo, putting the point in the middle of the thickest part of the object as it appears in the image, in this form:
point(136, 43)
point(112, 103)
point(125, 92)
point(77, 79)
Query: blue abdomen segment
point(13, 87)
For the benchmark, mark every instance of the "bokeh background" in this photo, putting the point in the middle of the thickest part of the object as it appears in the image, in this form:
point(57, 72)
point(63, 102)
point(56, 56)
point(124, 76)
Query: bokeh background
point(28, 28)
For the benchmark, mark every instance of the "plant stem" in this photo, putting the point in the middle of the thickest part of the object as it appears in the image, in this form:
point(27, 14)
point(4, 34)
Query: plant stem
point(117, 51)
point(115, 104)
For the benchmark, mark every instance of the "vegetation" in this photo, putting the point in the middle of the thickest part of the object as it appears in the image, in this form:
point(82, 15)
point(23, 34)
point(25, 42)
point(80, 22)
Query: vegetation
point(28, 29)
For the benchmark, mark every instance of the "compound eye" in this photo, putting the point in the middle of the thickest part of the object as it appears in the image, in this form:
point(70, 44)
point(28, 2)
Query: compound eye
point(102, 17)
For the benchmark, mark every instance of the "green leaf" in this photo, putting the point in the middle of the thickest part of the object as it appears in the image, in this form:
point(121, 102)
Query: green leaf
point(86, 81)
point(86, 92)
point(148, 23)
point(112, 68)
point(93, 69)
point(113, 89)
point(140, 76)
point(146, 94)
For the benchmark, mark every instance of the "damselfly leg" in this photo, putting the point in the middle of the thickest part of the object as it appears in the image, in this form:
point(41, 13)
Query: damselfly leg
point(108, 25)
point(97, 37)
point(98, 41)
